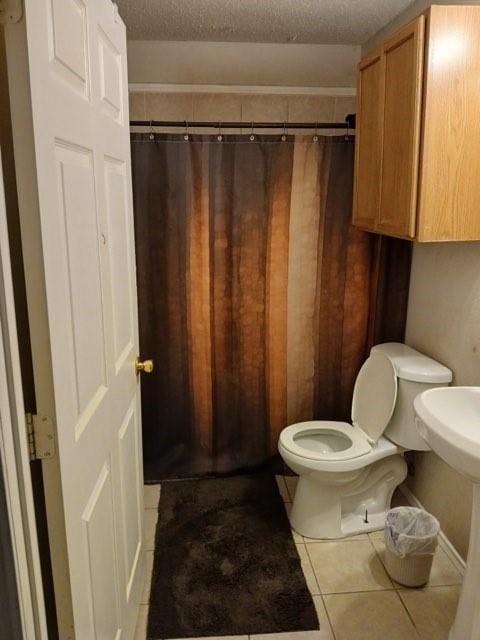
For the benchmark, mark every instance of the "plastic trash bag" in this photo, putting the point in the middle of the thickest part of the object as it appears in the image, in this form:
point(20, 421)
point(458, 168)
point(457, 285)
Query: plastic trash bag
point(411, 531)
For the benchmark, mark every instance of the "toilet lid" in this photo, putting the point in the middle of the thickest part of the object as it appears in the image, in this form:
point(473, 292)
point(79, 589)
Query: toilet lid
point(374, 396)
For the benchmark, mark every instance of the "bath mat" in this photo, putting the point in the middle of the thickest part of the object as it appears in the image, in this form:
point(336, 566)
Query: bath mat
point(225, 563)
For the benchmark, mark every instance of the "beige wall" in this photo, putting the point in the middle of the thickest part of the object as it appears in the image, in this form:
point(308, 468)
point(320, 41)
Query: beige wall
point(239, 107)
point(238, 63)
point(444, 322)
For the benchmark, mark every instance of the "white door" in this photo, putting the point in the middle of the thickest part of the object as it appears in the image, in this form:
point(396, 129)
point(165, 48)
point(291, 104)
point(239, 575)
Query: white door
point(79, 107)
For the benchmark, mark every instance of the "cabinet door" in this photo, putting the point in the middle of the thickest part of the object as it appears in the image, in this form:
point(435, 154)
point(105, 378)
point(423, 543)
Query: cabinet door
point(403, 55)
point(449, 195)
point(368, 144)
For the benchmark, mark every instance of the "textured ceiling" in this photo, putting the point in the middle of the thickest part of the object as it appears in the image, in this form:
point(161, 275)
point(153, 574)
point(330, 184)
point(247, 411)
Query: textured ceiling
point(300, 21)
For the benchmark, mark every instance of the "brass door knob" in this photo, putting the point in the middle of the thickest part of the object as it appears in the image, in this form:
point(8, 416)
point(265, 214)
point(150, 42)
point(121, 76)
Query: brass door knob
point(143, 365)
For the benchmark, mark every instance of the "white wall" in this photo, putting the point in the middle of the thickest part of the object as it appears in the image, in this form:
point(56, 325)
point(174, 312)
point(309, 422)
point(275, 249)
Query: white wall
point(237, 63)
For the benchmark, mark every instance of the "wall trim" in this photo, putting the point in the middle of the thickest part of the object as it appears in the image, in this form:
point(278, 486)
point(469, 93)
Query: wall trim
point(443, 541)
point(153, 87)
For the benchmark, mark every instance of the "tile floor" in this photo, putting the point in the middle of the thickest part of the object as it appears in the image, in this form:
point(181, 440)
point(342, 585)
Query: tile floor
point(354, 597)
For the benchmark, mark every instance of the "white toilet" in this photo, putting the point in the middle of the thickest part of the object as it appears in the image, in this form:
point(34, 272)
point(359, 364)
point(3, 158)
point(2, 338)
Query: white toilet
point(348, 472)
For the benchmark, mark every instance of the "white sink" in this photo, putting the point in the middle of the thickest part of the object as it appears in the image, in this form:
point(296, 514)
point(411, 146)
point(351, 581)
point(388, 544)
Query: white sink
point(450, 423)
point(448, 419)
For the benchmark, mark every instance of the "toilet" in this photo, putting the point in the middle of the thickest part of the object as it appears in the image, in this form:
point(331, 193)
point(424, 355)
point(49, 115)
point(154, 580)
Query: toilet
point(348, 472)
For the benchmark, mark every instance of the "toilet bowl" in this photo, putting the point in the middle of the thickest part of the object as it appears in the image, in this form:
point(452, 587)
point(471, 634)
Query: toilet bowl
point(348, 472)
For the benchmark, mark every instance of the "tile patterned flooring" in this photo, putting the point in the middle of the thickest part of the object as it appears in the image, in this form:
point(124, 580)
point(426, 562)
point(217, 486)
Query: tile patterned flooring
point(354, 597)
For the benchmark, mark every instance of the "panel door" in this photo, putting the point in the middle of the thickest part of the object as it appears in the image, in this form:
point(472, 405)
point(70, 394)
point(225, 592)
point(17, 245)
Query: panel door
point(78, 83)
point(368, 141)
point(449, 198)
point(403, 55)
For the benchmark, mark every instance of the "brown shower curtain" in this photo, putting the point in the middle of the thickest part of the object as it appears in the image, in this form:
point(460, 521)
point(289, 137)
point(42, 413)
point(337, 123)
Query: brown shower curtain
point(257, 298)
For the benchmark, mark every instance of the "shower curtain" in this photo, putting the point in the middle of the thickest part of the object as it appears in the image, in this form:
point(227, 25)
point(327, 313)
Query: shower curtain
point(257, 298)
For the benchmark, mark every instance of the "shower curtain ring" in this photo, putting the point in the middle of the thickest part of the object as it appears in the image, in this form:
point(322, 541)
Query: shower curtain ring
point(151, 136)
point(284, 135)
point(219, 137)
point(252, 136)
point(315, 135)
point(185, 137)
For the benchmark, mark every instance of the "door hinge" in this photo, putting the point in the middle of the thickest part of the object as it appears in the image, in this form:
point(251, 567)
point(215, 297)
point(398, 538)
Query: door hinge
point(10, 11)
point(41, 437)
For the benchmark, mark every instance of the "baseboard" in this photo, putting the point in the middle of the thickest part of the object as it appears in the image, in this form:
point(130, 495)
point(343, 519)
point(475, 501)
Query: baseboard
point(443, 541)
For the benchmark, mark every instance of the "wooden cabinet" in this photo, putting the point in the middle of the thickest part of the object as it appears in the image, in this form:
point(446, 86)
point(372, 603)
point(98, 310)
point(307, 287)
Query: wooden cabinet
point(403, 56)
point(417, 162)
point(368, 149)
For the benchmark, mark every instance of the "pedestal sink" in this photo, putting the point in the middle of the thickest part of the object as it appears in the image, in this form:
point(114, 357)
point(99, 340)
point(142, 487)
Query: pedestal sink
point(448, 419)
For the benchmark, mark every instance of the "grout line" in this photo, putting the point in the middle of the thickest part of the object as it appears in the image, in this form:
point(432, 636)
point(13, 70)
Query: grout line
point(408, 614)
point(343, 593)
point(313, 571)
point(328, 617)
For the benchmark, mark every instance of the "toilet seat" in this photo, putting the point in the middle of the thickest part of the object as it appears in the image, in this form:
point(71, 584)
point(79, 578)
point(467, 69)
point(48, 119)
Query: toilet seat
point(373, 402)
point(356, 446)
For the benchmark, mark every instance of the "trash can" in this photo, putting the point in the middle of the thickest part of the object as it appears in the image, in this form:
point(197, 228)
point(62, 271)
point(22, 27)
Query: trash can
point(411, 537)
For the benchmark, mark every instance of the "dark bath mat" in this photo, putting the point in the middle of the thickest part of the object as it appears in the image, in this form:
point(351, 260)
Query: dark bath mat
point(225, 563)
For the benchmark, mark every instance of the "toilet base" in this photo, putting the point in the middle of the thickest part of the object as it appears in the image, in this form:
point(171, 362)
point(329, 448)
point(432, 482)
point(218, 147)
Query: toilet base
point(330, 511)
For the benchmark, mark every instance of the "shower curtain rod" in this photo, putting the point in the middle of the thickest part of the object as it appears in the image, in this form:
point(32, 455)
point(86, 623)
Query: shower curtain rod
point(348, 124)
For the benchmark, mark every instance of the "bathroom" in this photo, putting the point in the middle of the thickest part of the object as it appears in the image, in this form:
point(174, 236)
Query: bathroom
point(240, 274)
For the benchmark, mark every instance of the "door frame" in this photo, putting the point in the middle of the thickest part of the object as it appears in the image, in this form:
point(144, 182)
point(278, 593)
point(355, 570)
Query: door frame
point(14, 454)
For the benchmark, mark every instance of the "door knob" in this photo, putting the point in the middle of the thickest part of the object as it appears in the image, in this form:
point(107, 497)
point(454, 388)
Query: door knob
point(143, 365)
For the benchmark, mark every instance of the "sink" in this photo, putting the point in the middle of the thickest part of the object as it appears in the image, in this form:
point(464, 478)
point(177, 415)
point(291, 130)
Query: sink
point(448, 419)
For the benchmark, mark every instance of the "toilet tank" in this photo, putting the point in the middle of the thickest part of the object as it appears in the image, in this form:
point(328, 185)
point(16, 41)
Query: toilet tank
point(416, 372)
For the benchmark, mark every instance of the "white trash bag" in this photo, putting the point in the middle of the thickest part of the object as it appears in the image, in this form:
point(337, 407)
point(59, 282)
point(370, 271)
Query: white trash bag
point(411, 537)
point(411, 532)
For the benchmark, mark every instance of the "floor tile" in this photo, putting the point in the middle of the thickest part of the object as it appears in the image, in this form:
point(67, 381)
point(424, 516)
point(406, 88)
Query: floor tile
point(148, 577)
point(150, 517)
point(369, 616)
point(151, 496)
point(296, 536)
point(213, 638)
point(141, 628)
point(342, 567)
point(308, 569)
point(282, 487)
point(432, 610)
point(443, 571)
point(291, 482)
point(326, 632)
point(291, 635)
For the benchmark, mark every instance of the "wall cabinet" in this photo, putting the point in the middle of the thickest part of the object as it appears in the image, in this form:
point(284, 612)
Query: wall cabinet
point(417, 161)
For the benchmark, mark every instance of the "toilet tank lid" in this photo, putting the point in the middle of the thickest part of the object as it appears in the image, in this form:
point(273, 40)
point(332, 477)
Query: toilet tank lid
point(412, 365)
